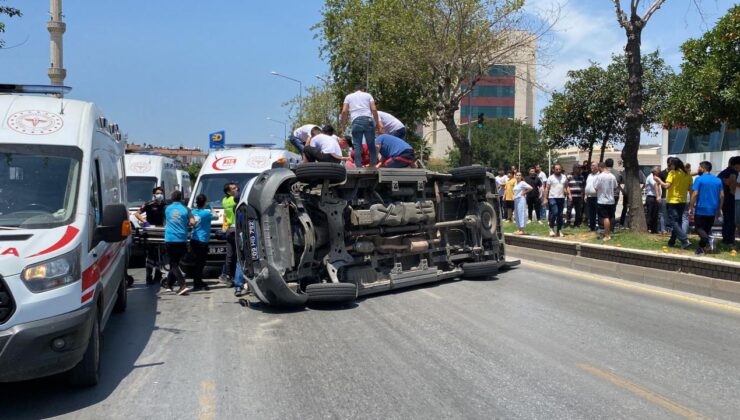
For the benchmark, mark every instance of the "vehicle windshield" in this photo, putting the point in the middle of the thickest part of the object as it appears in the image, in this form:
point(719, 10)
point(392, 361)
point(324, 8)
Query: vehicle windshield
point(38, 185)
point(139, 190)
point(213, 186)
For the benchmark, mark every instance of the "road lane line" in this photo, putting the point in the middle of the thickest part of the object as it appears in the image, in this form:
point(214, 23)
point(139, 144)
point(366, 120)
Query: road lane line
point(731, 307)
point(434, 295)
point(207, 401)
point(643, 392)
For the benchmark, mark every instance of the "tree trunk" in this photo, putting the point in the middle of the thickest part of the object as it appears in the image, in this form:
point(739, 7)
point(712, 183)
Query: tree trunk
point(604, 142)
point(634, 122)
point(590, 151)
point(466, 151)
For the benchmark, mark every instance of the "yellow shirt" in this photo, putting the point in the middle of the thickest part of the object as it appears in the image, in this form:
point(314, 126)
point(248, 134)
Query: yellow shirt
point(509, 189)
point(680, 183)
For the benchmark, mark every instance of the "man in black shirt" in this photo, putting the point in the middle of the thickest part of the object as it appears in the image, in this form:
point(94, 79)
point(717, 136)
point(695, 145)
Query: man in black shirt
point(728, 205)
point(533, 196)
point(154, 211)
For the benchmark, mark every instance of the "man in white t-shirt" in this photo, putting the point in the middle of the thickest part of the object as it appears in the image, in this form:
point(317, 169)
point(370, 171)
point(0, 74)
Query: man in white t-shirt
point(591, 203)
point(300, 135)
point(392, 125)
point(556, 189)
point(543, 177)
point(653, 194)
point(360, 106)
point(606, 184)
point(322, 147)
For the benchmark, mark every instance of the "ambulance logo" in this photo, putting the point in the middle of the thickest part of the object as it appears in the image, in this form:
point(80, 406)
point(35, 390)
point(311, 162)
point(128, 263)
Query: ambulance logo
point(258, 161)
point(140, 167)
point(35, 122)
point(224, 163)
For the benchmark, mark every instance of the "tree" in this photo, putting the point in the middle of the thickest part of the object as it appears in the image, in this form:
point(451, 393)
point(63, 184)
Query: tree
point(429, 53)
point(496, 145)
point(633, 26)
point(707, 92)
point(319, 107)
point(193, 170)
point(592, 104)
point(10, 12)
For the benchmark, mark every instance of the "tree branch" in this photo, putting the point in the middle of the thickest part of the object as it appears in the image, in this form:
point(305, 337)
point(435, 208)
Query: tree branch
point(621, 16)
point(653, 8)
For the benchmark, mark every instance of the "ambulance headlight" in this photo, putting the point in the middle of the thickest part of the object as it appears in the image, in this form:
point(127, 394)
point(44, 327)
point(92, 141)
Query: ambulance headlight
point(53, 273)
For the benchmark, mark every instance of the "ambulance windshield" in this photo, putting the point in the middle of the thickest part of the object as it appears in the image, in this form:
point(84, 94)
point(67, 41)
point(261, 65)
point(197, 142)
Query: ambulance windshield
point(38, 185)
point(139, 189)
point(213, 186)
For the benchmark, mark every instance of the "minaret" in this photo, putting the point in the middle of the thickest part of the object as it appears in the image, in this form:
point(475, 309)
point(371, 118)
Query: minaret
point(56, 28)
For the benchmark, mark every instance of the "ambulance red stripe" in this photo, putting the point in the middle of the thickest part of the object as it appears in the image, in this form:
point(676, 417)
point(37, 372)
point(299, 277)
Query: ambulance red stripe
point(69, 234)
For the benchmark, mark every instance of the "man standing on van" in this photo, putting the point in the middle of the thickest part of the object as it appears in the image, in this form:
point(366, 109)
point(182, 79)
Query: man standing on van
point(178, 219)
point(361, 108)
point(229, 202)
point(154, 211)
point(300, 136)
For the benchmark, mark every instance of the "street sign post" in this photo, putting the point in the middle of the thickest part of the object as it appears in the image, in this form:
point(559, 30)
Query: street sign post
point(217, 140)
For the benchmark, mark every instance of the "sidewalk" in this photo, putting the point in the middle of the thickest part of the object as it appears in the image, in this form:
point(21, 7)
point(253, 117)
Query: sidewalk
point(704, 276)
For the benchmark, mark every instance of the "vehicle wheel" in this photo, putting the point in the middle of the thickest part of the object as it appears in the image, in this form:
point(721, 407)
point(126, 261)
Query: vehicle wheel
point(121, 296)
point(480, 270)
point(87, 372)
point(465, 173)
point(320, 171)
point(331, 292)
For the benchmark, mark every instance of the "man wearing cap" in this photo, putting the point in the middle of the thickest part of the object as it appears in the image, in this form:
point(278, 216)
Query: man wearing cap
point(301, 135)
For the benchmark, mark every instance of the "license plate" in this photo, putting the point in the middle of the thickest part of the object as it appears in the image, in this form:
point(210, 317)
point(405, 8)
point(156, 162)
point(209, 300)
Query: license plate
point(213, 250)
point(253, 239)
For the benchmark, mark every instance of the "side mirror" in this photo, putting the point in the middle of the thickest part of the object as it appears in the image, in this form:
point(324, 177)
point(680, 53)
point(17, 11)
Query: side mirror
point(114, 226)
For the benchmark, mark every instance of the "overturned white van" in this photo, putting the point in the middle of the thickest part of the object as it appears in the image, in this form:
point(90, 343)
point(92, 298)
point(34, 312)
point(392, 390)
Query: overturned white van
point(63, 231)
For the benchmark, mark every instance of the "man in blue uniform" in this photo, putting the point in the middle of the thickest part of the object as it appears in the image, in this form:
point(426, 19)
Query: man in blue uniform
point(395, 152)
point(178, 220)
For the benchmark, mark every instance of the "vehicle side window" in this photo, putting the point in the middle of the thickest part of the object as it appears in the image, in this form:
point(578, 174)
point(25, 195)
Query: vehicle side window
point(95, 202)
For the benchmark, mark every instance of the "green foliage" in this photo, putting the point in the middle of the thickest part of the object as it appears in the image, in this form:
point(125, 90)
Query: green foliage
point(496, 145)
point(416, 57)
point(592, 105)
point(193, 170)
point(319, 107)
point(9, 12)
point(707, 92)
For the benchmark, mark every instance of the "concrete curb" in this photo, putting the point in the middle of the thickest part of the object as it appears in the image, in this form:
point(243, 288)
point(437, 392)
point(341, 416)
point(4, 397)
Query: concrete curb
point(669, 263)
point(685, 282)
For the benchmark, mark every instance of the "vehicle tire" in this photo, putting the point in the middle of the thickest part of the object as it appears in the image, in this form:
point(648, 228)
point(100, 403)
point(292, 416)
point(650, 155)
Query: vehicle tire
point(87, 372)
point(319, 171)
point(121, 297)
point(465, 173)
point(480, 270)
point(331, 292)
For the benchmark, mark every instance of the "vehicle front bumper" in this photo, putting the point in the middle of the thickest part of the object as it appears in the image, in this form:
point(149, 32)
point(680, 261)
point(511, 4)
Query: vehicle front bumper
point(26, 349)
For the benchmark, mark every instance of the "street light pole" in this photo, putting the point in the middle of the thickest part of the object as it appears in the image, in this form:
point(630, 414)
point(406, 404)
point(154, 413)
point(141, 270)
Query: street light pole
point(285, 126)
point(300, 89)
point(521, 122)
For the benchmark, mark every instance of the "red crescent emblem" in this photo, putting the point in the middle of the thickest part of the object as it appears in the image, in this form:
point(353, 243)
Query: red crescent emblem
point(224, 163)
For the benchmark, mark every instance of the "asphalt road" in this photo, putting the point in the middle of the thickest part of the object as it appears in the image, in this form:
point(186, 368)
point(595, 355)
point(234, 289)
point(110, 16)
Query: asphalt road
point(532, 344)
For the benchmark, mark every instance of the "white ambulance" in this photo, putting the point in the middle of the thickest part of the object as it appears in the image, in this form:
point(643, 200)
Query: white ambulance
point(63, 233)
point(184, 184)
point(237, 163)
point(144, 171)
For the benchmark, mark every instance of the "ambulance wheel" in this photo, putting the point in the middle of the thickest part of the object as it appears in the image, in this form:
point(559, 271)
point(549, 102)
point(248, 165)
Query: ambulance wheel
point(121, 296)
point(314, 172)
point(87, 372)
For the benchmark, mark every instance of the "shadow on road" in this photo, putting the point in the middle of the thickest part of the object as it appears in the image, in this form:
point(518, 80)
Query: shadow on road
point(125, 337)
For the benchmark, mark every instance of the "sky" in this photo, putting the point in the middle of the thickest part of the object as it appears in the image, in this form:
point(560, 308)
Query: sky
point(171, 72)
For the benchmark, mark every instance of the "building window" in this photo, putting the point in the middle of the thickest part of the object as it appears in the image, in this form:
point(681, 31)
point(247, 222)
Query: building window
point(493, 91)
point(488, 111)
point(502, 71)
point(682, 140)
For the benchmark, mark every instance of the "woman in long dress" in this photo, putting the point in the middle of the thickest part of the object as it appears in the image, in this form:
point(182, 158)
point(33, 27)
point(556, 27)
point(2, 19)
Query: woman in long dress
point(520, 203)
